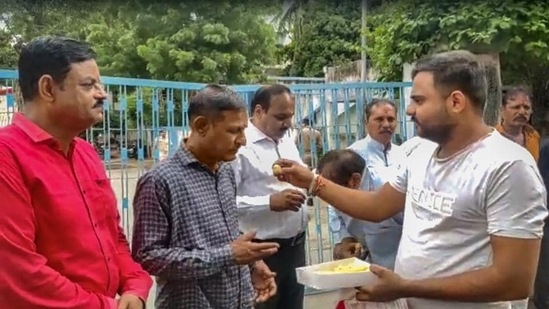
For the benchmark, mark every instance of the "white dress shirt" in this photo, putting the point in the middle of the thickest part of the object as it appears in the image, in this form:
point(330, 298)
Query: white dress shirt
point(255, 183)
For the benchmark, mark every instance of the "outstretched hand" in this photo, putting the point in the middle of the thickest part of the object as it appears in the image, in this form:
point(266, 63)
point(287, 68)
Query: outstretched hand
point(388, 287)
point(293, 173)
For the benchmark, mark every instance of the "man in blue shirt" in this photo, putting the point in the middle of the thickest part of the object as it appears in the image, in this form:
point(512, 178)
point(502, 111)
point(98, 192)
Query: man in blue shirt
point(381, 158)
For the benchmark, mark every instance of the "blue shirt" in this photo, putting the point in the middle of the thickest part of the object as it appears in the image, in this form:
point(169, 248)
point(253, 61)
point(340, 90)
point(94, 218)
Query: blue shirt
point(383, 238)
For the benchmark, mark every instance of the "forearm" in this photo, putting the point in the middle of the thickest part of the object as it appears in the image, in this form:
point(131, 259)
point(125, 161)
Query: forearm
point(185, 264)
point(364, 205)
point(483, 285)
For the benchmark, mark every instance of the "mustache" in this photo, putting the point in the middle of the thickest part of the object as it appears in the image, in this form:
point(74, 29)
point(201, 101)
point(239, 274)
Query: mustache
point(98, 104)
point(522, 118)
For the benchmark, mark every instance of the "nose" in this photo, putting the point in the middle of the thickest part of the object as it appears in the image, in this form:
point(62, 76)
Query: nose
point(241, 141)
point(410, 110)
point(100, 94)
point(287, 123)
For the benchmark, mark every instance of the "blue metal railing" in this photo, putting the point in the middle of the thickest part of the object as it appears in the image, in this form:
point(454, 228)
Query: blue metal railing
point(139, 109)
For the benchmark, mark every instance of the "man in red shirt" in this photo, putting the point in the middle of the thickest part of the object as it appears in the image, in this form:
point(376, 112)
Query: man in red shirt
point(61, 245)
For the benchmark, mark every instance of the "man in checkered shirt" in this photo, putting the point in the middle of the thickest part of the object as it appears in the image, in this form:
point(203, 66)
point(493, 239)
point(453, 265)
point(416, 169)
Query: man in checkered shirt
point(186, 228)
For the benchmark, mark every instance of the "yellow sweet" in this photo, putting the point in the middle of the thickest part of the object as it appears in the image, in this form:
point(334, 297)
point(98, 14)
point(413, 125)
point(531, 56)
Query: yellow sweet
point(346, 269)
point(277, 169)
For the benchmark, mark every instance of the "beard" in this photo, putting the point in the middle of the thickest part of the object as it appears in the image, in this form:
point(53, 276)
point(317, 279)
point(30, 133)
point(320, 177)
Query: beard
point(439, 132)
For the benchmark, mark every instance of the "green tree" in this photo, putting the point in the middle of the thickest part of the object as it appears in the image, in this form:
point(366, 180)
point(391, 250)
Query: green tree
point(329, 34)
point(402, 31)
point(191, 41)
point(194, 41)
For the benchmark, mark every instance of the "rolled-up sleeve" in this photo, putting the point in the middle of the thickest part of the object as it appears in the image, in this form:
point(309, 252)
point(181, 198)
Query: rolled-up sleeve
point(151, 237)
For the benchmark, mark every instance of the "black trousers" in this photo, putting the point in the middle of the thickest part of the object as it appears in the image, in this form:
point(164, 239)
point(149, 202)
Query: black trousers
point(290, 256)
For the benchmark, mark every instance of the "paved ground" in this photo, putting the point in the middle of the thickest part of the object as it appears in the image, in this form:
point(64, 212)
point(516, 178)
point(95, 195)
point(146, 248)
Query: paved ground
point(124, 181)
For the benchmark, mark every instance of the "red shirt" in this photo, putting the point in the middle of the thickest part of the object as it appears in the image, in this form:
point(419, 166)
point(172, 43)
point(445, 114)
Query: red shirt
point(61, 245)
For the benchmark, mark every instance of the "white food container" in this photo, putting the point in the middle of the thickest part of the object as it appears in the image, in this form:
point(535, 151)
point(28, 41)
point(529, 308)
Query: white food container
point(310, 276)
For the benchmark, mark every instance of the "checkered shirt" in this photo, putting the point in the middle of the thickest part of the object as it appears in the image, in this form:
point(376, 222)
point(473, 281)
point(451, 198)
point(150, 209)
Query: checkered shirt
point(184, 221)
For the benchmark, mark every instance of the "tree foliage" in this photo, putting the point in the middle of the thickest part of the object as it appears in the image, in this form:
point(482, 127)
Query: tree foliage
point(402, 31)
point(194, 41)
point(329, 34)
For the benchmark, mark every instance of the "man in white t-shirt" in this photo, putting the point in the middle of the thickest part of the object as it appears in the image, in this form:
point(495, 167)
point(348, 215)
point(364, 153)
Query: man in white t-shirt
point(474, 201)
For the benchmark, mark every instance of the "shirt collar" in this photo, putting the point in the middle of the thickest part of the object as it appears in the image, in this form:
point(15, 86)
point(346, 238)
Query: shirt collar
point(527, 129)
point(185, 156)
point(36, 133)
point(377, 145)
point(255, 135)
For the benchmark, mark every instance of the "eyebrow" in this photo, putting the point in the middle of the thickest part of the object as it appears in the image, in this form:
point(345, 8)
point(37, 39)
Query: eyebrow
point(88, 78)
point(416, 97)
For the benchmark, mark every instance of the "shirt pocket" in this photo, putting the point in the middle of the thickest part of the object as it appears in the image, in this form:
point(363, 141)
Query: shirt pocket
point(102, 200)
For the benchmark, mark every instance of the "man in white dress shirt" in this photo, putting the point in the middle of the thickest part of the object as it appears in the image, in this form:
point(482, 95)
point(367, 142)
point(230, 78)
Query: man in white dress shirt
point(474, 202)
point(266, 205)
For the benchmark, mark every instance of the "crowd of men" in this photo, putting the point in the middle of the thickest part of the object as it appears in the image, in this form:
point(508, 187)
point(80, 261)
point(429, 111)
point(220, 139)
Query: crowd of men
point(453, 218)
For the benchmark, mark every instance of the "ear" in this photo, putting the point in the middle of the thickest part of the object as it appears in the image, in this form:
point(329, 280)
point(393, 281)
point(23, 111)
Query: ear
point(46, 86)
point(258, 110)
point(200, 125)
point(458, 101)
point(354, 182)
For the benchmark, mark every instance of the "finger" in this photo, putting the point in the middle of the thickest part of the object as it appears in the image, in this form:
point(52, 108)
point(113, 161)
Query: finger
point(248, 236)
point(264, 253)
point(273, 288)
point(298, 193)
point(295, 204)
point(293, 208)
point(363, 296)
point(378, 270)
point(267, 275)
point(297, 198)
point(259, 246)
point(285, 163)
point(262, 297)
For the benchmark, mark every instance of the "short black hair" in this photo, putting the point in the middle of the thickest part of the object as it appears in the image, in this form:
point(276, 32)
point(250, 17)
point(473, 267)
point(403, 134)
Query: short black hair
point(264, 94)
point(306, 121)
point(213, 100)
point(49, 55)
point(508, 92)
point(377, 102)
point(341, 164)
point(456, 70)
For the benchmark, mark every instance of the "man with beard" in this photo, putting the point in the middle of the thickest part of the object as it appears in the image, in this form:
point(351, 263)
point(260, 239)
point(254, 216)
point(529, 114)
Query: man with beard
point(266, 205)
point(381, 157)
point(61, 244)
point(475, 203)
point(516, 110)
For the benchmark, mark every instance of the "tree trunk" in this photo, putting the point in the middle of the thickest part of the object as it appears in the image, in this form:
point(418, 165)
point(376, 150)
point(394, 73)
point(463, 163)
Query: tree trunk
point(493, 78)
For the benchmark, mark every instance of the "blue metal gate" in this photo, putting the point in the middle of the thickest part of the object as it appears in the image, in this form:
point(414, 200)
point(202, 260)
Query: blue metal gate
point(138, 110)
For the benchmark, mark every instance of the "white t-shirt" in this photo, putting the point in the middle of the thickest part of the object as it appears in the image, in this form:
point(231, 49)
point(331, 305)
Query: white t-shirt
point(454, 204)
